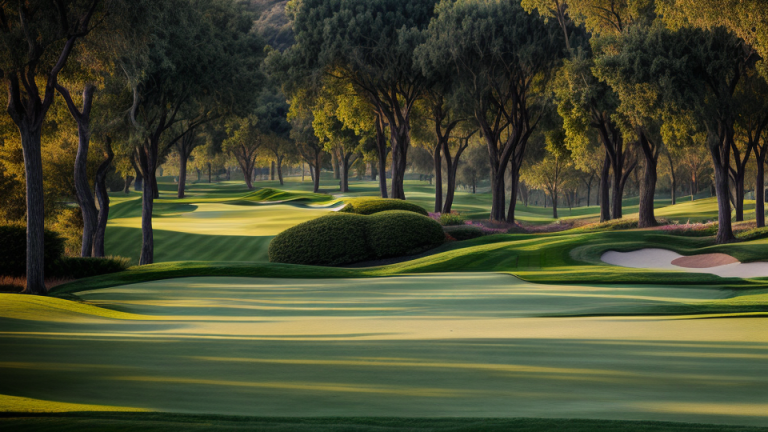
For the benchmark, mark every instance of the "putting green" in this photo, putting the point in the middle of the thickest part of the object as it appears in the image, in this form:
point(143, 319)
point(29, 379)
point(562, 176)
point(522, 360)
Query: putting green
point(471, 345)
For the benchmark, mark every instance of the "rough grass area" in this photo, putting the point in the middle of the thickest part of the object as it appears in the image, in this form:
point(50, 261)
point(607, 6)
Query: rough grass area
point(161, 422)
point(450, 345)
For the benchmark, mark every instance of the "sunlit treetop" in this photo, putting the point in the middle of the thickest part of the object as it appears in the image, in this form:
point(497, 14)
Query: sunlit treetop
point(747, 18)
point(600, 17)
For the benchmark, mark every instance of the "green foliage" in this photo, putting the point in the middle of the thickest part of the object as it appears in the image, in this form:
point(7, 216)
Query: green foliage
point(452, 218)
point(401, 233)
point(78, 267)
point(13, 249)
point(340, 238)
point(69, 225)
point(464, 232)
point(369, 206)
point(330, 240)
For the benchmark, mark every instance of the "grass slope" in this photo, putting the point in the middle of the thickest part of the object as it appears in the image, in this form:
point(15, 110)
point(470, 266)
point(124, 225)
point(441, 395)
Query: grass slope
point(151, 422)
point(457, 345)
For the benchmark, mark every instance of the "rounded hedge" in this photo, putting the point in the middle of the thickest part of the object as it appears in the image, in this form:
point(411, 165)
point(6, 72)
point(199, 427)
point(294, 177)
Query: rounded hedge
point(369, 206)
point(340, 238)
point(13, 249)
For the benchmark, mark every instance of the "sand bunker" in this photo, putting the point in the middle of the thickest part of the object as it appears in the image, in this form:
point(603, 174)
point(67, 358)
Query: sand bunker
point(661, 259)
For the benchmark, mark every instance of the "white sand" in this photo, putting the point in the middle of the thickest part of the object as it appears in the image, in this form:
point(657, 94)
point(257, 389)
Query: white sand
point(661, 259)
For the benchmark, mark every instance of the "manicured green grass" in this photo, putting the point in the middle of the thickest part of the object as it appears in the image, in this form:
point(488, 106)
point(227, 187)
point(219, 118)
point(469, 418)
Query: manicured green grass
point(150, 422)
point(446, 345)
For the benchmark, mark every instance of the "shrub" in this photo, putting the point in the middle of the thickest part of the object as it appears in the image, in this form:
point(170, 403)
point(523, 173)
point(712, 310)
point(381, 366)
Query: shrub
point(329, 240)
point(464, 232)
point(369, 206)
point(452, 218)
point(13, 249)
point(340, 238)
point(401, 233)
point(78, 267)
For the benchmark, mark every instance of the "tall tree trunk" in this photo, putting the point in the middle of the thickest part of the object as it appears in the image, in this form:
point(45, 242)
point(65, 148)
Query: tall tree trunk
point(148, 160)
point(272, 171)
point(760, 188)
point(33, 171)
point(650, 150)
point(605, 212)
point(672, 178)
point(280, 169)
point(82, 186)
point(155, 189)
point(721, 162)
point(553, 194)
point(617, 192)
point(127, 184)
point(335, 163)
point(515, 180)
point(318, 162)
point(374, 172)
point(103, 197)
point(401, 140)
point(381, 149)
point(497, 194)
point(452, 163)
point(182, 174)
point(438, 162)
point(210, 178)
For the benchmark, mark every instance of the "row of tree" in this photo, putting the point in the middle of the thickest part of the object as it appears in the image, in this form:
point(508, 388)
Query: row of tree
point(628, 81)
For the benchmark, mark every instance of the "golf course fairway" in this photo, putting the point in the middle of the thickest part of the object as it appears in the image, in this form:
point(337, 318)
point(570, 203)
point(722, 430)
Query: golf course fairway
point(441, 345)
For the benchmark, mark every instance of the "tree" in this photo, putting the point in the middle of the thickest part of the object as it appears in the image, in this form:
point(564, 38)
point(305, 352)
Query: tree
point(244, 139)
point(501, 56)
point(272, 113)
point(38, 41)
point(309, 147)
point(752, 129)
point(369, 44)
point(697, 72)
point(549, 173)
point(207, 47)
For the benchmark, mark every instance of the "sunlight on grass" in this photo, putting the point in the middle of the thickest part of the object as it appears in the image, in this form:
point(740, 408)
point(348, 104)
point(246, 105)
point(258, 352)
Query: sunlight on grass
point(30, 405)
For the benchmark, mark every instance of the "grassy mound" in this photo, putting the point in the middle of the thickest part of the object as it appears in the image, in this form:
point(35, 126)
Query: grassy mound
point(276, 195)
point(369, 206)
point(341, 238)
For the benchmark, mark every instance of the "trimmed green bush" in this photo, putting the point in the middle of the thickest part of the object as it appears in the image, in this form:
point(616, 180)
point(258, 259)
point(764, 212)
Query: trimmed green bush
point(78, 267)
point(341, 238)
point(334, 239)
point(448, 219)
point(13, 249)
point(369, 206)
point(464, 232)
point(402, 233)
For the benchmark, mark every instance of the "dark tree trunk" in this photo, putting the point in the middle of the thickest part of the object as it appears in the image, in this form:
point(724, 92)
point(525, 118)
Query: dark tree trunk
point(318, 162)
point(127, 186)
point(650, 150)
point(280, 169)
point(272, 171)
point(374, 172)
point(103, 197)
point(210, 178)
point(182, 174)
point(33, 170)
point(617, 192)
point(335, 163)
point(438, 162)
point(381, 149)
point(760, 192)
point(148, 161)
point(82, 186)
point(452, 163)
point(605, 212)
point(515, 179)
point(721, 162)
point(497, 195)
point(553, 194)
point(155, 190)
point(672, 178)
